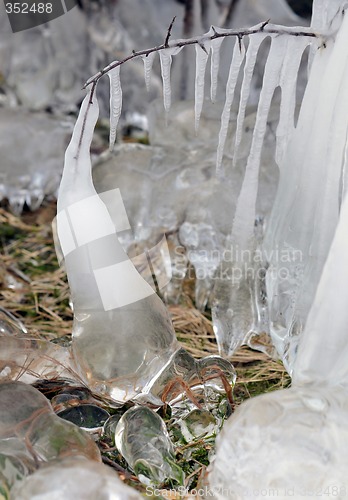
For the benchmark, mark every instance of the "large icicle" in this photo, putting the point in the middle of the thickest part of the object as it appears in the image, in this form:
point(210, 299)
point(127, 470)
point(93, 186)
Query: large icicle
point(148, 63)
point(215, 64)
point(250, 60)
point(166, 58)
point(115, 103)
point(202, 54)
point(237, 61)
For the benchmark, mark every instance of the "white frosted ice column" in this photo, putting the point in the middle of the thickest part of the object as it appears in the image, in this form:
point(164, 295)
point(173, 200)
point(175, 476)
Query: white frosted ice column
point(115, 102)
point(306, 208)
point(122, 334)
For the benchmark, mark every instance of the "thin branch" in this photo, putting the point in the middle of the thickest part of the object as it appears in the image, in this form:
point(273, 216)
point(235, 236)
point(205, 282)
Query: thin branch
point(264, 27)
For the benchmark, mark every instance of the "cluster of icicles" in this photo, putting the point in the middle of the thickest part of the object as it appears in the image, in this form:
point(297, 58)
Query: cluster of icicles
point(240, 313)
point(123, 341)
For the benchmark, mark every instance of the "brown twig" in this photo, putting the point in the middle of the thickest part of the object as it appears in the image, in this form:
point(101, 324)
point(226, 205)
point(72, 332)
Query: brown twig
point(264, 27)
point(169, 32)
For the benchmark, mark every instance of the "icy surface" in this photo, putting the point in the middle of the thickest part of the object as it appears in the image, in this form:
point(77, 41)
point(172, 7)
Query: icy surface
point(149, 452)
point(74, 478)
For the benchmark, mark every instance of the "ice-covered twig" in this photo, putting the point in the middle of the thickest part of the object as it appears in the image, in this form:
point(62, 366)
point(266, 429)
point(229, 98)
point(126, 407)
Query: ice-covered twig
point(265, 27)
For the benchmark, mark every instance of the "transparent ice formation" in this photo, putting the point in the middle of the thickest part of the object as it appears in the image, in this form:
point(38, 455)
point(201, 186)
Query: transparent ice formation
point(31, 433)
point(25, 358)
point(142, 439)
point(191, 383)
point(28, 359)
point(73, 478)
point(307, 204)
point(122, 334)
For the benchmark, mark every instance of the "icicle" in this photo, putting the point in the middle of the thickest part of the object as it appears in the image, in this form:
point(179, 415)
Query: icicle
point(237, 60)
point(215, 64)
point(166, 57)
point(250, 60)
point(202, 55)
point(115, 103)
point(288, 81)
point(148, 63)
point(77, 165)
point(243, 225)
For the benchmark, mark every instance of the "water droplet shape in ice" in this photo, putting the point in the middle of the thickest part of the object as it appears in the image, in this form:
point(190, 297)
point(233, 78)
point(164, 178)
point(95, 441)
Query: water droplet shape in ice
point(150, 452)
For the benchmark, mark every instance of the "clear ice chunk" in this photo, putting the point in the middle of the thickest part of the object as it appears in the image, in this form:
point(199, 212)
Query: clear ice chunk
point(149, 452)
point(31, 433)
